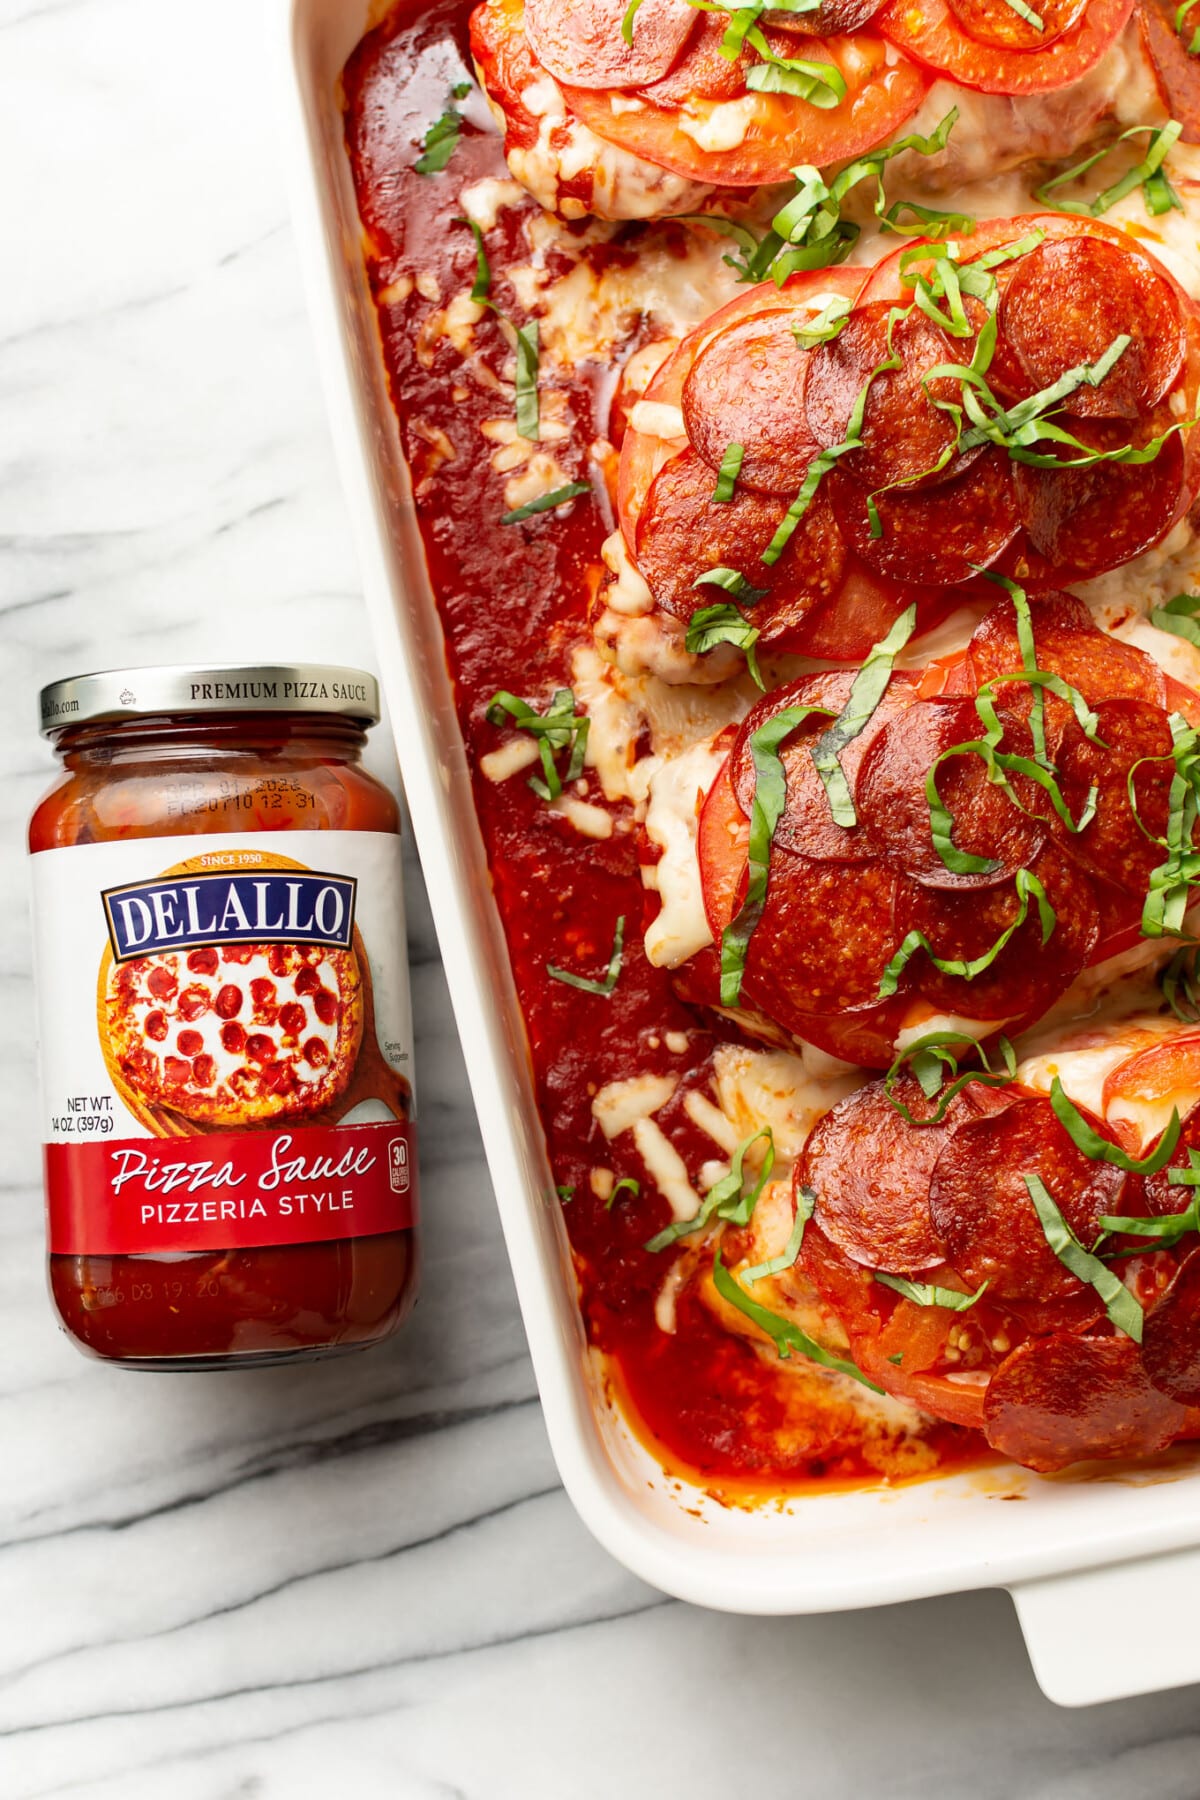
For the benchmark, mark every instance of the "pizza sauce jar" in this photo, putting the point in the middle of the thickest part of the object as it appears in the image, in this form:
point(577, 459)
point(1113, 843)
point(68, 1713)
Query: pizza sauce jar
point(224, 1013)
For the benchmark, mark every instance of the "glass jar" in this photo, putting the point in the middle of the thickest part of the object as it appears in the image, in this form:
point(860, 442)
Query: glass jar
point(224, 1018)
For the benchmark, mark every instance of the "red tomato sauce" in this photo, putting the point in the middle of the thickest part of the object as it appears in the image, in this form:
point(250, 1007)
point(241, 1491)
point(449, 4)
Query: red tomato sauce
point(514, 602)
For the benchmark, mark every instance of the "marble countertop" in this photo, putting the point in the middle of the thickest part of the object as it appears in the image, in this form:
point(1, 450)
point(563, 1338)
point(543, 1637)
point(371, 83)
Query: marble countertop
point(363, 1578)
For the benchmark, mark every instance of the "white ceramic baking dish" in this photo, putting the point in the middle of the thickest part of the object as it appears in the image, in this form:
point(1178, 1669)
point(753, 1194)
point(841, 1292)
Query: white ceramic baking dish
point(1075, 1554)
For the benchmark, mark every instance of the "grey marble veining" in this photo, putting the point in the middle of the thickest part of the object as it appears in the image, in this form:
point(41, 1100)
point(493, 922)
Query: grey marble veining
point(360, 1579)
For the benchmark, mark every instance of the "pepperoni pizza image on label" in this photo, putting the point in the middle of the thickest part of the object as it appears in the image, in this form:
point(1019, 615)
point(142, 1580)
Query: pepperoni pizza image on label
point(804, 444)
point(234, 1031)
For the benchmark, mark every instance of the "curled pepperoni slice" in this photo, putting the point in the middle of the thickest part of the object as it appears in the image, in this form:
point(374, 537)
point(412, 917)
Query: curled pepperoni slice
point(204, 1071)
point(1027, 976)
point(156, 1026)
point(904, 436)
point(326, 1006)
point(203, 962)
point(870, 1170)
point(292, 1018)
point(316, 1053)
point(262, 991)
point(995, 22)
point(980, 1209)
point(1068, 642)
point(1066, 303)
point(190, 1043)
point(176, 1071)
point(940, 536)
point(894, 808)
point(1082, 521)
point(162, 982)
point(583, 43)
point(807, 825)
point(228, 1003)
point(747, 387)
point(682, 533)
point(193, 1003)
point(1061, 1400)
point(233, 1038)
point(1171, 1338)
point(823, 942)
point(1113, 846)
point(259, 1047)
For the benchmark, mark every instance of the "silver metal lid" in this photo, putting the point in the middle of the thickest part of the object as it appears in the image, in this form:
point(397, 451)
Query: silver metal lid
point(189, 688)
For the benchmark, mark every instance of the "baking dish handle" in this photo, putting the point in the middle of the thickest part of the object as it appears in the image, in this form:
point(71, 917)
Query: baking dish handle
point(1104, 1634)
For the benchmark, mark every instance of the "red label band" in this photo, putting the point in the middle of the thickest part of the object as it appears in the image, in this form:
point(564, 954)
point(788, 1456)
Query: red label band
point(230, 1190)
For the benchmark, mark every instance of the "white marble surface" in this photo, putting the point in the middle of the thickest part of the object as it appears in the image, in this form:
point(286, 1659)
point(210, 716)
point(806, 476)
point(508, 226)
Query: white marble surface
point(360, 1580)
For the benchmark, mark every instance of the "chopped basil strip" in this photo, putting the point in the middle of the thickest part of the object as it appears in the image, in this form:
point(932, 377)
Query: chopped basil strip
point(727, 474)
point(565, 1194)
point(527, 381)
point(725, 1199)
point(1165, 1231)
point(809, 232)
point(731, 228)
point(1099, 1149)
point(606, 986)
point(822, 84)
point(734, 582)
point(1122, 1307)
point(481, 287)
point(868, 690)
point(1029, 662)
point(1169, 887)
point(806, 1200)
point(941, 821)
point(922, 1294)
point(826, 325)
point(460, 90)
point(786, 1335)
point(1028, 888)
point(560, 727)
point(933, 1057)
point(627, 21)
point(1023, 424)
point(439, 143)
point(724, 624)
point(546, 502)
point(627, 1183)
point(1180, 983)
point(1149, 174)
point(766, 809)
point(1178, 616)
point(898, 1357)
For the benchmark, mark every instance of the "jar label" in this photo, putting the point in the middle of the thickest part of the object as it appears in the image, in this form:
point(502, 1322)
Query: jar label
point(225, 1042)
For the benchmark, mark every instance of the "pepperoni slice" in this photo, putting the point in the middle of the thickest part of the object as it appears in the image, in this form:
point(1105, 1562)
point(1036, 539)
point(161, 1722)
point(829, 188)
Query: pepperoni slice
point(904, 435)
point(162, 982)
point(1062, 1400)
point(980, 1208)
point(1083, 521)
point(1176, 72)
point(831, 16)
point(807, 825)
point(1171, 1339)
point(1113, 846)
point(870, 1170)
point(156, 1026)
point(929, 31)
point(747, 387)
point(940, 536)
point(994, 22)
point(190, 1043)
point(1027, 976)
point(1068, 642)
point(326, 1006)
point(682, 532)
point(203, 961)
point(863, 611)
point(583, 43)
point(228, 1002)
point(1066, 303)
point(894, 808)
point(233, 1038)
point(780, 130)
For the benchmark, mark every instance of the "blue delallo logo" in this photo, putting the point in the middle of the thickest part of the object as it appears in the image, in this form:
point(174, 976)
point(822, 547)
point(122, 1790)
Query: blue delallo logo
point(284, 906)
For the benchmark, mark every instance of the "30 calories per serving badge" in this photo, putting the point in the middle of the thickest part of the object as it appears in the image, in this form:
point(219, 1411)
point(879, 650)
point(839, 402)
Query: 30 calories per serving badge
point(227, 1042)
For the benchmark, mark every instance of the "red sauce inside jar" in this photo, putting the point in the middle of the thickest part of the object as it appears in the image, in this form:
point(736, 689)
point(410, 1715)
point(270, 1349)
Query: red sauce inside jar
point(184, 778)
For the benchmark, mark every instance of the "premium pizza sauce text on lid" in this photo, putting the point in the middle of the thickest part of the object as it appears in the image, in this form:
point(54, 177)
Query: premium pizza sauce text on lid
point(226, 1042)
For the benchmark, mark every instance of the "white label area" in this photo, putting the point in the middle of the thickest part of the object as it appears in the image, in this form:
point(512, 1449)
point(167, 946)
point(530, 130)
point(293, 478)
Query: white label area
point(266, 975)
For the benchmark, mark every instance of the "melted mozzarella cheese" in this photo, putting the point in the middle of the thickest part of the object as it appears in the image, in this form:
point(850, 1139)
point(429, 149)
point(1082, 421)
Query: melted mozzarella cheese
point(676, 791)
